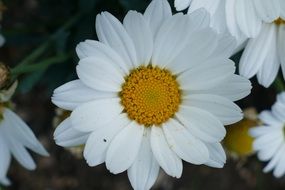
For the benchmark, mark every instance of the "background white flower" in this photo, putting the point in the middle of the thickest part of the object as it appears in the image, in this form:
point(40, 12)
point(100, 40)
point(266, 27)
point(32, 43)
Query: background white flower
point(260, 20)
point(15, 138)
point(264, 54)
point(217, 16)
point(248, 15)
point(152, 92)
point(240, 16)
point(215, 9)
point(263, 22)
point(270, 137)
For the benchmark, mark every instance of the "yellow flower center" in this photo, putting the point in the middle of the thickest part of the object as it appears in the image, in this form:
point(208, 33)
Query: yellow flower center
point(150, 95)
point(238, 141)
point(279, 21)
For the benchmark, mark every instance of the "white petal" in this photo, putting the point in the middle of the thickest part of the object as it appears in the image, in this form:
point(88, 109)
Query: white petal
point(217, 155)
point(247, 18)
point(282, 9)
point(112, 33)
point(269, 118)
point(281, 97)
point(21, 154)
point(261, 141)
point(166, 158)
point(262, 130)
point(91, 48)
point(218, 21)
point(124, 148)
point(241, 43)
point(92, 115)
point(201, 45)
point(274, 161)
point(144, 171)
point(206, 75)
point(227, 44)
point(199, 19)
point(172, 38)
point(74, 93)
point(201, 124)
point(279, 170)
point(141, 34)
point(225, 110)
point(181, 4)
point(23, 133)
point(185, 145)
point(268, 150)
point(210, 5)
point(65, 135)
point(234, 88)
point(231, 18)
point(269, 69)
point(268, 11)
point(156, 13)
point(281, 45)
point(256, 51)
point(98, 142)
point(5, 158)
point(278, 111)
point(100, 74)
point(5, 181)
point(256, 132)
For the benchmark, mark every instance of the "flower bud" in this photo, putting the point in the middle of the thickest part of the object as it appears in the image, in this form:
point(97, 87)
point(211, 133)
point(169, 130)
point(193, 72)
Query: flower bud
point(7, 84)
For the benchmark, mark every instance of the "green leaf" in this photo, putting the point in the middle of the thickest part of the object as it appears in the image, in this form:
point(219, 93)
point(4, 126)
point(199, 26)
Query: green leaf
point(37, 70)
point(43, 65)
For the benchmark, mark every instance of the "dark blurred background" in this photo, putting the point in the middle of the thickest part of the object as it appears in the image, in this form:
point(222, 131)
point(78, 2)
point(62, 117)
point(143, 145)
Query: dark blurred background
point(51, 29)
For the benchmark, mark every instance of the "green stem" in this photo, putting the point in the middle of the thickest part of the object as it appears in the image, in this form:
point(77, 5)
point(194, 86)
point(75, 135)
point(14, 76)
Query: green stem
point(22, 69)
point(35, 54)
point(43, 47)
point(279, 84)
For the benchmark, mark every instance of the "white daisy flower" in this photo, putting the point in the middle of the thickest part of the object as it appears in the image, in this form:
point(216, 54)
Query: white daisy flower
point(15, 138)
point(264, 54)
point(244, 16)
point(248, 15)
point(270, 137)
point(151, 92)
point(214, 7)
point(215, 12)
point(260, 20)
